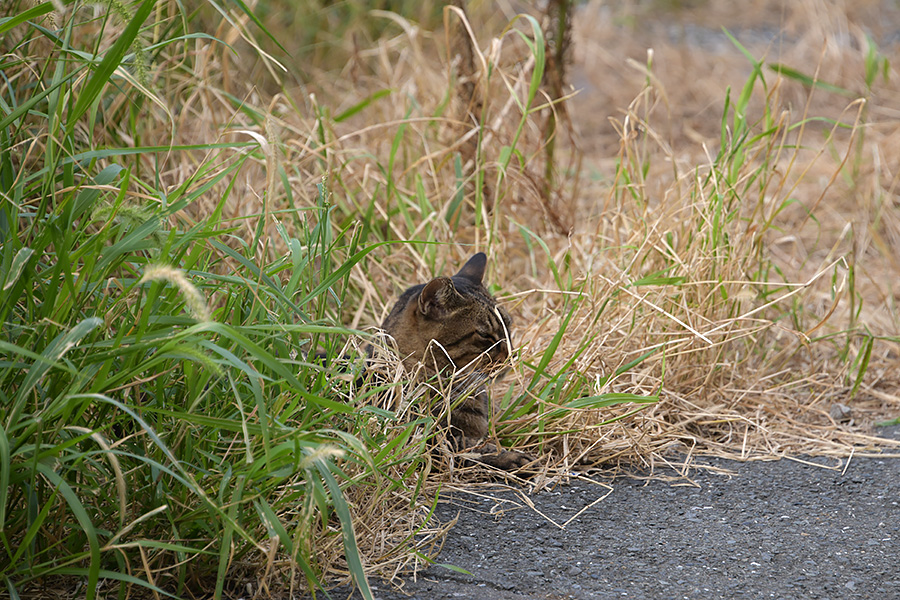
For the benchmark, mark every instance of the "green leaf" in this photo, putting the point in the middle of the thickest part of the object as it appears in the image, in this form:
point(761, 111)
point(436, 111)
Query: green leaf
point(658, 279)
point(255, 19)
point(8, 23)
point(863, 362)
point(84, 521)
point(362, 105)
point(116, 576)
point(109, 64)
point(808, 81)
point(33, 101)
point(54, 351)
point(225, 550)
point(18, 265)
point(351, 551)
point(452, 568)
point(5, 464)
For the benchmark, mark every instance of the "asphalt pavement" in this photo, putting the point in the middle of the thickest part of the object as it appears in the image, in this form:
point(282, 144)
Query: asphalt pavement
point(801, 528)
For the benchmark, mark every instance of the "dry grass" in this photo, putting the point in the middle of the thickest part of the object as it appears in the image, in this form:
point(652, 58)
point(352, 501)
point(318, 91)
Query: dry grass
point(757, 340)
point(764, 331)
point(742, 288)
point(768, 393)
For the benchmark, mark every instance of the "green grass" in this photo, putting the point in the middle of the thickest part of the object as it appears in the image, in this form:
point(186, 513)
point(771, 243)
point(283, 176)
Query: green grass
point(161, 424)
point(140, 420)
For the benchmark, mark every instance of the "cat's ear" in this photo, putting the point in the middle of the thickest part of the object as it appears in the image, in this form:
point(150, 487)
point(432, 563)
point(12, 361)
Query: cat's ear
point(437, 297)
point(474, 269)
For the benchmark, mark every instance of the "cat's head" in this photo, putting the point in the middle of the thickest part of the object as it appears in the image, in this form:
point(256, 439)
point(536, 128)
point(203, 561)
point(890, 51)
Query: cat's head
point(452, 323)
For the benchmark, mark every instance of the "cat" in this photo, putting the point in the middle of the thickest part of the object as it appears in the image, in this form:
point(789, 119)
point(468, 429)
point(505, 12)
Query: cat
point(453, 327)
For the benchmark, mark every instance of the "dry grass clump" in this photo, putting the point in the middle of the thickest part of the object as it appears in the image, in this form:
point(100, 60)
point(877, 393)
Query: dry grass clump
point(816, 226)
point(745, 262)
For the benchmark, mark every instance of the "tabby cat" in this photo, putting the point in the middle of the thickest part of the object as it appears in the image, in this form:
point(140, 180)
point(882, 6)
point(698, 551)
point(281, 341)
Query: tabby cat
point(452, 326)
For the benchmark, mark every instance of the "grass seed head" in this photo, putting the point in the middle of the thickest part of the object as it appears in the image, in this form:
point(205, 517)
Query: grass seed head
point(193, 298)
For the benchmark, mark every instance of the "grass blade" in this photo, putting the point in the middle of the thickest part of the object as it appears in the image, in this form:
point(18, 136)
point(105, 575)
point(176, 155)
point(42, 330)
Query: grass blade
point(347, 534)
point(41, 9)
point(87, 526)
point(111, 61)
point(55, 350)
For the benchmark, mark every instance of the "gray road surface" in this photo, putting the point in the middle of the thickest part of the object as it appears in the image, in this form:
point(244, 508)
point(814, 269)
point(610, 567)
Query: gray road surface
point(780, 529)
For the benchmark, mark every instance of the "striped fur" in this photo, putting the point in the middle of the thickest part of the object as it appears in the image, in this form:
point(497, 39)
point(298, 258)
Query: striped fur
point(452, 326)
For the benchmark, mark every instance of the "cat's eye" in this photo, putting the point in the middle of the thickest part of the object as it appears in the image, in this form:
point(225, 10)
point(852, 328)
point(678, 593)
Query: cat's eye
point(487, 339)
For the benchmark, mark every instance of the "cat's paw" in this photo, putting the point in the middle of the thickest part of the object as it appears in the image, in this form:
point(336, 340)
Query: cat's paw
point(508, 460)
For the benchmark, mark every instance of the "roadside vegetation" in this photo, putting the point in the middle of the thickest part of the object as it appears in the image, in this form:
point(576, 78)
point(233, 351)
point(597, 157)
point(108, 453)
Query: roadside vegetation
point(195, 201)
